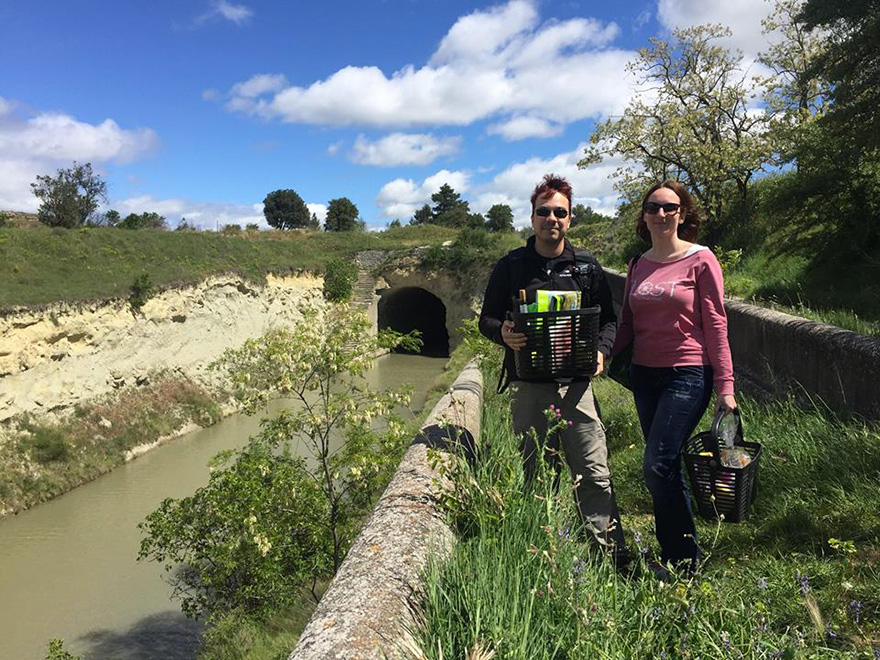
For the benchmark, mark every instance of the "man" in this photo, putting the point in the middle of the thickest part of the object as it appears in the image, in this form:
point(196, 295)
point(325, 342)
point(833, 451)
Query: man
point(549, 262)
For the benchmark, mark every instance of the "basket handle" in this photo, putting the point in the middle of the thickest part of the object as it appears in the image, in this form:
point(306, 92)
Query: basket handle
point(716, 425)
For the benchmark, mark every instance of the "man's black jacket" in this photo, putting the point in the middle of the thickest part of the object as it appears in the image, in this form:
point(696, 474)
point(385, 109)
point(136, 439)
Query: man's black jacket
point(534, 272)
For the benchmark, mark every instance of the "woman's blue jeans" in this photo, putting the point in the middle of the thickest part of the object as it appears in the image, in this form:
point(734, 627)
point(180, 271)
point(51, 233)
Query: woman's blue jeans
point(670, 402)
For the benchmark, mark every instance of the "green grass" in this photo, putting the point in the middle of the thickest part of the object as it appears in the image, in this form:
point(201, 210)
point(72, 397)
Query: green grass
point(42, 265)
point(518, 585)
point(845, 295)
point(239, 637)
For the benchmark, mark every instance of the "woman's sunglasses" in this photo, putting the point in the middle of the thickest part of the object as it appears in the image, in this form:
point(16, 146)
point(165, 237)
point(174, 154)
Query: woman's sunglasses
point(545, 211)
point(668, 207)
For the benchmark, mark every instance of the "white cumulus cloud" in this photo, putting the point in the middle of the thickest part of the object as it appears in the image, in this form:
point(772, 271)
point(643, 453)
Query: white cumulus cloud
point(743, 17)
point(501, 63)
point(514, 185)
point(402, 149)
point(40, 144)
point(520, 128)
point(204, 215)
point(260, 84)
point(401, 198)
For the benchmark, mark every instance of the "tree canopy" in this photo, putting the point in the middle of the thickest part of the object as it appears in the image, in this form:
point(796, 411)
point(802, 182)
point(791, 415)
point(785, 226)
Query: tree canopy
point(71, 197)
point(584, 215)
point(850, 63)
point(148, 220)
point(697, 126)
point(342, 215)
point(285, 209)
point(499, 218)
point(423, 216)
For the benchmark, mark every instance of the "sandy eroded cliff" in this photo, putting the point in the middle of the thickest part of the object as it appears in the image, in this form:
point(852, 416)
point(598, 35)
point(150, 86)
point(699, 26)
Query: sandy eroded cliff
point(54, 358)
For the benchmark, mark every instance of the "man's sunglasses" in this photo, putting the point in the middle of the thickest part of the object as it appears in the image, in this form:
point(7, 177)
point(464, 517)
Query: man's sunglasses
point(668, 207)
point(545, 211)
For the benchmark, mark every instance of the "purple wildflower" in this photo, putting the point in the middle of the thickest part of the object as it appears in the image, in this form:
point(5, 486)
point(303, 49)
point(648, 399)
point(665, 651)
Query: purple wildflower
point(855, 608)
point(804, 581)
point(830, 631)
point(725, 639)
point(762, 583)
point(876, 654)
point(578, 566)
point(565, 533)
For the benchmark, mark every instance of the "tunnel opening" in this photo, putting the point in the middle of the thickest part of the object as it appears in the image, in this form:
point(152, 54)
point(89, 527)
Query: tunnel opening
point(412, 308)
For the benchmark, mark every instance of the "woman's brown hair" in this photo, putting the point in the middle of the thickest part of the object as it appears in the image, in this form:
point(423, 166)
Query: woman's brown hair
point(689, 212)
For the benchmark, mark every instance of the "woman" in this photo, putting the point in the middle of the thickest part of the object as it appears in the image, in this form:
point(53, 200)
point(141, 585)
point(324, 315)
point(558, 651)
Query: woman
point(673, 312)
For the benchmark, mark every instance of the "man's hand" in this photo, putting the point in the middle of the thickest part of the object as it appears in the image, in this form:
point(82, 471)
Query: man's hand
point(600, 364)
point(516, 340)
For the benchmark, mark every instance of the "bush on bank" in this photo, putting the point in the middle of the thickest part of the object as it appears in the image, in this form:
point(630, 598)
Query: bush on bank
point(40, 460)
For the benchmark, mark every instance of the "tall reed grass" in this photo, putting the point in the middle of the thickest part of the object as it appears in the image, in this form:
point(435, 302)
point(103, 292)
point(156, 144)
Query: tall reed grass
point(799, 579)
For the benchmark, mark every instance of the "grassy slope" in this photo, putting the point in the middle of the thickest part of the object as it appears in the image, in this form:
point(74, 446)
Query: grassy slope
point(43, 265)
point(771, 587)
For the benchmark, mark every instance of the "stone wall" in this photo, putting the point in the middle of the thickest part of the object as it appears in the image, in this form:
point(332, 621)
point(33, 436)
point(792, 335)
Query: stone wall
point(781, 352)
point(366, 611)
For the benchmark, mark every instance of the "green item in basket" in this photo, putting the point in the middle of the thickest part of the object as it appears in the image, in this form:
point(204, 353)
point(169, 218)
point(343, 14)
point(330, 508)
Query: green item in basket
point(557, 301)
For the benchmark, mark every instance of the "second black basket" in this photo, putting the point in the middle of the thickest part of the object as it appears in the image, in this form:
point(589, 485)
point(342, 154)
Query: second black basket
point(558, 344)
point(715, 488)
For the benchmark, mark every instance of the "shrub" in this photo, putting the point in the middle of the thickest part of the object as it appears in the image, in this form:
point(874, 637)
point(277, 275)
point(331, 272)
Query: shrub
point(339, 279)
point(58, 652)
point(47, 444)
point(231, 229)
point(141, 291)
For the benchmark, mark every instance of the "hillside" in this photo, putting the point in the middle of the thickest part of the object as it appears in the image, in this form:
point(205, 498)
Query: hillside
point(40, 265)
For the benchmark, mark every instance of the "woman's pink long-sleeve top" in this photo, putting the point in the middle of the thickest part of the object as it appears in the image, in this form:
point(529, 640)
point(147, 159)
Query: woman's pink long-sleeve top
point(674, 313)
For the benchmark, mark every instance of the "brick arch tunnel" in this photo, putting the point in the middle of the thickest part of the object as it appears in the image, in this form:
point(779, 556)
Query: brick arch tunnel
point(413, 308)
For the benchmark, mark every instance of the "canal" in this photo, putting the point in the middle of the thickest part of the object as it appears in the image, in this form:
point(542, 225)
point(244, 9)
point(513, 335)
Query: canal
point(68, 567)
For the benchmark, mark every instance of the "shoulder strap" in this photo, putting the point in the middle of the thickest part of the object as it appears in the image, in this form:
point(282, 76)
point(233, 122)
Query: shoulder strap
point(516, 263)
point(585, 272)
point(515, 260)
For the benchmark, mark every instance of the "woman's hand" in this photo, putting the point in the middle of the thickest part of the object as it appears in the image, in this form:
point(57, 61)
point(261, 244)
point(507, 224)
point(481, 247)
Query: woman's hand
point(516, 340)
point(600, 364)
point(726, 402)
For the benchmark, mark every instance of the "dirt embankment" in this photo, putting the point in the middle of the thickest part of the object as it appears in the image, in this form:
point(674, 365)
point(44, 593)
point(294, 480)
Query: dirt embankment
point(55, 358)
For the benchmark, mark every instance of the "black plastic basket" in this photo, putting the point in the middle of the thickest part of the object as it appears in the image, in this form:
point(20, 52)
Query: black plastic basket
point(717, 489)
point(558, 344)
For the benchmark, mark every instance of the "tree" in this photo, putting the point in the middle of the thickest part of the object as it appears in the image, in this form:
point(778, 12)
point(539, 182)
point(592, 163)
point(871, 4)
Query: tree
point(112, 218)
point(269, 522)
point(583, 215)
point(423, 216)
point(394, 224)
point(457, 216)
point(314, 223)
point(697, 126)
point(71, 197)
point(340, 276)
point(148, 220)
point(499, 218)
point(342, 215)
point(284, 209)
point(850, 63)
point(825, 94)
point(476, 221)
point(793, 92)
point(449, 209)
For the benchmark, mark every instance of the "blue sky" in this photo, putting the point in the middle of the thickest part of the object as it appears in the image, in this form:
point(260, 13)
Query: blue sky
point(201, 108)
